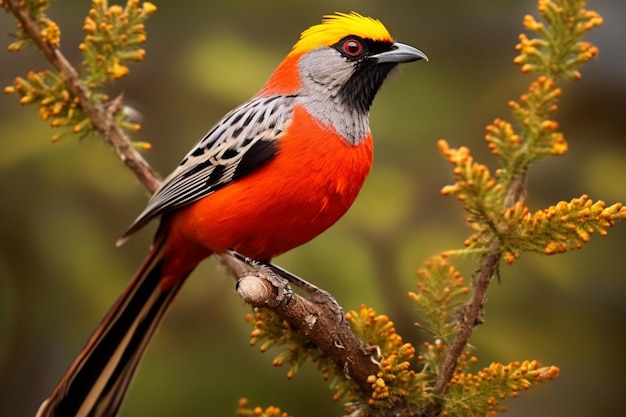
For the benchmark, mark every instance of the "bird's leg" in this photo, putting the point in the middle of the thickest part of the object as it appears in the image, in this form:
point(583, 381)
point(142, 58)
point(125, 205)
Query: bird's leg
point(316, 294)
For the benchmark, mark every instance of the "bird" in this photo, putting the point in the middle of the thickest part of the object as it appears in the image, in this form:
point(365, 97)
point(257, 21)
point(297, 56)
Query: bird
point(271, 175)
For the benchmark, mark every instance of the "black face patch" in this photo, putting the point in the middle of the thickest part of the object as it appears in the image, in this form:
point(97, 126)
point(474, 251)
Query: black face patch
point(359, 91)
point(355, 48)
point(361, 88)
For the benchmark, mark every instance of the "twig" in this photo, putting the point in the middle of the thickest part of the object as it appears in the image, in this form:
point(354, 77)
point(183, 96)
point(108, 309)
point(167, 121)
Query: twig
point(102, 120)
point(470, 318)
point(310, 319)
point(262, 288)
point(473, 311)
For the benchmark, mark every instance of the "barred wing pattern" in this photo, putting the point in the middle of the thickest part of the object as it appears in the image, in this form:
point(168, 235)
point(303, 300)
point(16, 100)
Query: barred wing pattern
point(242, 141)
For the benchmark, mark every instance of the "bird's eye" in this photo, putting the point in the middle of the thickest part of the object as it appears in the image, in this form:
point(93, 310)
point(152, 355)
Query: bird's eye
point(352, 47)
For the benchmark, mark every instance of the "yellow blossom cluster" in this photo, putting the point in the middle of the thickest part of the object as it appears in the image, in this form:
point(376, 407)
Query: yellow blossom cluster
point(396, 379)
point(570, 21)
point(392, 392)
point(480, 393)
point(501, 138)
point(558, 228)
point(244, 410)
point(472, 179)
point(56, 103)
point(114, 36)
point(48, 30)
point(557, 53)
point(564, 226)
point(534, 112)
point(396, 382)
point(264, 325)
point(481, 193)
point(374, 329)
point(272, 331)
point(441, 290)
point(539, 135)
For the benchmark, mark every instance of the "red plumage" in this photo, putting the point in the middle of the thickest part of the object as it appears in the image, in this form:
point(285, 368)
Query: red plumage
point(287, 202)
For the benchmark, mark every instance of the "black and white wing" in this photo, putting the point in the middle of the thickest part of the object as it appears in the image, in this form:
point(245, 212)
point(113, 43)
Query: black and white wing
point(245, 139)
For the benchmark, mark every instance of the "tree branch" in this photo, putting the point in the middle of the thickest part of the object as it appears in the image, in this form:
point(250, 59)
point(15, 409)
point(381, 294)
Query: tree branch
point(102, 119)
point(262, 288)
point(471, 315)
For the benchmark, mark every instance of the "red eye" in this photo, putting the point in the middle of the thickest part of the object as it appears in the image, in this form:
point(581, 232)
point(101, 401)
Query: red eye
point(352, 47)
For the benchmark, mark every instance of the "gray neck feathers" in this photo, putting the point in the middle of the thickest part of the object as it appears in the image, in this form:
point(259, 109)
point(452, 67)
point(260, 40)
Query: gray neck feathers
point(323, 73)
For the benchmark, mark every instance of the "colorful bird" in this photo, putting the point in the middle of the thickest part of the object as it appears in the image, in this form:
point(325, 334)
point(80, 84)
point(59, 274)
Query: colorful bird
point(271, 175)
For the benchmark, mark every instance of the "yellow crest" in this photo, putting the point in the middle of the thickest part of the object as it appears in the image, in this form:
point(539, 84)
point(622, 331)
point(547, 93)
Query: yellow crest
point(337, 26)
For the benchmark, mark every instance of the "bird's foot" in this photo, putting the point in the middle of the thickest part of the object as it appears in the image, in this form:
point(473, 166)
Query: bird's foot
point(316, 294)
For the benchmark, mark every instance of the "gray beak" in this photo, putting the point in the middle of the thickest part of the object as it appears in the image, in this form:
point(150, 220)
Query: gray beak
point(399, 53)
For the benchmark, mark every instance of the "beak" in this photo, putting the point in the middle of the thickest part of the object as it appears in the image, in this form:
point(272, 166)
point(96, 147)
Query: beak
point(399, 53)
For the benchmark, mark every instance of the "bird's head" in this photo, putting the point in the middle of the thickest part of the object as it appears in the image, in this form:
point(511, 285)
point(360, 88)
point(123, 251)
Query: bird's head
point(344, 59)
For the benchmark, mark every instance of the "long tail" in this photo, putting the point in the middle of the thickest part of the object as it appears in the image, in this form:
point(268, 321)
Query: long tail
point(97, 381)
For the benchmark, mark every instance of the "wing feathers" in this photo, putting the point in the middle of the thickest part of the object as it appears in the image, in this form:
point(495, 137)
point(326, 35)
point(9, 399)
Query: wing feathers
point(245, 139)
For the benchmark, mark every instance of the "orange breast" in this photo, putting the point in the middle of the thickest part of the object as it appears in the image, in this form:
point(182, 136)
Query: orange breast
point(306, 188)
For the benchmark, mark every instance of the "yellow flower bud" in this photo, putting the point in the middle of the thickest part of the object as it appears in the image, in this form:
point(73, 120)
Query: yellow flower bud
point(148, 8)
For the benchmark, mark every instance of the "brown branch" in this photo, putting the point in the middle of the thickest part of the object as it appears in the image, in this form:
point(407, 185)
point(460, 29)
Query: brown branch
point(262, 288)
point(309, 318)
point(102, 119)
point(472, 314)
point(470, 317)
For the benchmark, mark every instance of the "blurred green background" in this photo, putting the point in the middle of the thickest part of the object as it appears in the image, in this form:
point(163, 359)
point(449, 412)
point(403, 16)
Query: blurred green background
point(63, 206)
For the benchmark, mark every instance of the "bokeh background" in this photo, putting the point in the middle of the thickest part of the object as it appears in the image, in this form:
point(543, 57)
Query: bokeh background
point(63, 205)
